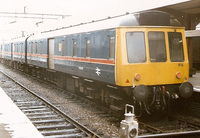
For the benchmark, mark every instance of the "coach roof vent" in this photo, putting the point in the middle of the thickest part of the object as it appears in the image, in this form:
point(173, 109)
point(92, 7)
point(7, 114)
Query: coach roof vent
point(154, 18)
point(149, 18)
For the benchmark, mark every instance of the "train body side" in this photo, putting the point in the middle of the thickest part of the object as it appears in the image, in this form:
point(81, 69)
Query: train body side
point(91, 59)
point(19, 50)
point(7, 53)
point(37, 52)
point(89, 55)
point(14, 52)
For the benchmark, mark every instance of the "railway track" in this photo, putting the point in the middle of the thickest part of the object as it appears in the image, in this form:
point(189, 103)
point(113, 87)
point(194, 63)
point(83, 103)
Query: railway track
point(48, 119)
point(171, 126)
point(151, 128)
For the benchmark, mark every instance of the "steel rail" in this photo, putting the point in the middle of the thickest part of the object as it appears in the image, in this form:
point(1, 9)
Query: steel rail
point(171, 135)
point(154, 129)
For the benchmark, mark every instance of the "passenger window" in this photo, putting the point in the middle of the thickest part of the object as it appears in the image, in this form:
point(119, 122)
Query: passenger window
point(74, 48)
point(112, 47)
point(64, 47)
point(176, 47)
point(87, 48)
point(31, 47)
point(34, 48)
point(20, 48)
point(14, 48)
point(41, 47)
point(136, 47)
point(17, 48)
point(157, 48)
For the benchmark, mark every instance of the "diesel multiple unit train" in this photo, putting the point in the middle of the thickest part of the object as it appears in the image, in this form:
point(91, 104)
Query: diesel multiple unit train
point(139, 59)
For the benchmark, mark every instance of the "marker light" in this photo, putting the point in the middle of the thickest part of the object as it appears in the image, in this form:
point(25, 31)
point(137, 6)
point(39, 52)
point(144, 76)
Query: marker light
point(137, 76)
point(178, 75)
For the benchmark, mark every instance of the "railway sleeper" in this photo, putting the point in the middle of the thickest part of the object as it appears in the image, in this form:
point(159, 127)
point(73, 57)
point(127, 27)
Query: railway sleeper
point(56, 132)
point(43, 117)
point(49, 121)
point(26, 103)
point(39, 114)
point(36, 110)
point(32, 107)
point(77, 135)
point(47, 127)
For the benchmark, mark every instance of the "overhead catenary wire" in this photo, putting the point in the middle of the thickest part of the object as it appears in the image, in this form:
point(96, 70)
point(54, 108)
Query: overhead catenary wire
point(31, 15)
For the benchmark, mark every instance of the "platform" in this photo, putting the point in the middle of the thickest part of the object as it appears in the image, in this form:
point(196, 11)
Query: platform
point(13, 122)
point(195, 80)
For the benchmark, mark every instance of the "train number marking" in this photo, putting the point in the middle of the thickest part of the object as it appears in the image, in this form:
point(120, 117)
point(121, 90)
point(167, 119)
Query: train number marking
point(180, 64)
point(98, 71)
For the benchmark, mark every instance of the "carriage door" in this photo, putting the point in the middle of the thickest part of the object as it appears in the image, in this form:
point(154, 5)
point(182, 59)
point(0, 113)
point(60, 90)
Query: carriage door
point(51, 53)
point(12, 51)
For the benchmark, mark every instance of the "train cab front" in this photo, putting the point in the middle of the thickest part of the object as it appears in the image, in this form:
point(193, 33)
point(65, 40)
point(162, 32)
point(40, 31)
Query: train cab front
point(153, 63)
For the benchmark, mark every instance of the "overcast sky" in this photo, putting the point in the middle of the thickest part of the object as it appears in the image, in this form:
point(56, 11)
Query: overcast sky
point(9, 27)
point(52, 6)
point(81, 11)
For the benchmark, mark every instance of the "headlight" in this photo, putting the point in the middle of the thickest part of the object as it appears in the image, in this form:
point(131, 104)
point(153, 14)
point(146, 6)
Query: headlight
point(178, 75)
point(137, 77)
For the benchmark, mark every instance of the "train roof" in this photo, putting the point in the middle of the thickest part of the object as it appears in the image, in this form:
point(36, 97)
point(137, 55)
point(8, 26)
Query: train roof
point(14, 40)
point(150, 18)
